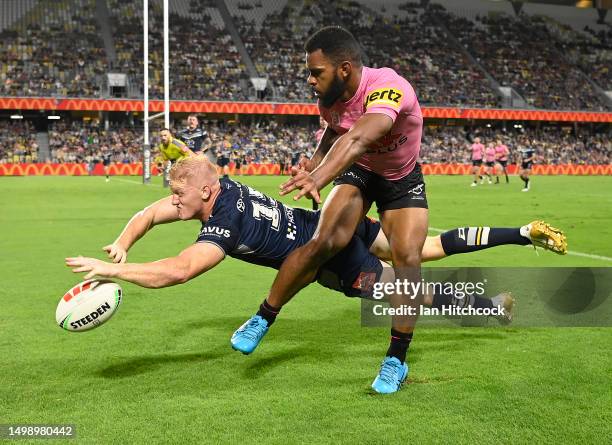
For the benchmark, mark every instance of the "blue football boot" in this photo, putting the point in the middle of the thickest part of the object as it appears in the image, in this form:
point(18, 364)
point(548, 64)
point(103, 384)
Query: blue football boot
point(247, 337)
point(391, 376)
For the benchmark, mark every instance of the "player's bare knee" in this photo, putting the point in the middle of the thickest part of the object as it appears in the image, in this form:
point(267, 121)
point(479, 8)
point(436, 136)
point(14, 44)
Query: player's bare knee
point(323, 246)
point(411, 258)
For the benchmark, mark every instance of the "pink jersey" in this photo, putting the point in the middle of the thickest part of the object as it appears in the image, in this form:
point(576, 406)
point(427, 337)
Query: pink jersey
point(501, 152)
point(383, 91)
point(477, 152)
point(490, 154)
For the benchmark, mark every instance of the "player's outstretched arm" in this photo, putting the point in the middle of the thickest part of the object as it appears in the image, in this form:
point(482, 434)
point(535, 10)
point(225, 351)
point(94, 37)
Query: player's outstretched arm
point(160, 212)
point(344, 152)
point(327, 140)
point(191, 262)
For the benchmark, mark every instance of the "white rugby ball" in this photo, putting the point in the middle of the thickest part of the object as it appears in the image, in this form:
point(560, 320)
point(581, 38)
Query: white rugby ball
point(88, 305)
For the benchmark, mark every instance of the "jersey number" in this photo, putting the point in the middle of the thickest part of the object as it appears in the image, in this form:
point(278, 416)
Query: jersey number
point(270, 213)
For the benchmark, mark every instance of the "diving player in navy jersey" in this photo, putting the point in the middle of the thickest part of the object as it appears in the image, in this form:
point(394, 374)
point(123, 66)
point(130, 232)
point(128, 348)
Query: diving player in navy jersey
point(245, 224)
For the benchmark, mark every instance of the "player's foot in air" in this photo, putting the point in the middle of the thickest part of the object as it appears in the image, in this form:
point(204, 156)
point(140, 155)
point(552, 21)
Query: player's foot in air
point(506, 302)
point(391, 376)
point(247, 337)
point(543, 235)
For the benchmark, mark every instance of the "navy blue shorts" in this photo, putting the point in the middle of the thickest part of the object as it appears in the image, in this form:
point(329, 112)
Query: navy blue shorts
point(354, 270)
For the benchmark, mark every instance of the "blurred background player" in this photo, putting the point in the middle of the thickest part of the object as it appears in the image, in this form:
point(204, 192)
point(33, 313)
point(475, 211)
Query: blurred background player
point(501, 158)
point(106, 162)
point(489, 157)
point(194, 136)
point(223, 158)
point(237, 159)
point(477, 155)
point(170, 150)
point(527, 157)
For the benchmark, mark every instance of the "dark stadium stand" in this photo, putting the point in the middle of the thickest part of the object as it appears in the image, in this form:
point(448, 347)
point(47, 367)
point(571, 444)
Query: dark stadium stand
point(454, 58)
point(52, 50)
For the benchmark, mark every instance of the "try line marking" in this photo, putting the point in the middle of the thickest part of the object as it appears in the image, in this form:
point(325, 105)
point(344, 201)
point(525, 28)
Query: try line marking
point(433, 229)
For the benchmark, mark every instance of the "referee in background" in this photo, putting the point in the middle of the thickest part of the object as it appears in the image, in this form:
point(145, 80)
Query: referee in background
point(194, 136)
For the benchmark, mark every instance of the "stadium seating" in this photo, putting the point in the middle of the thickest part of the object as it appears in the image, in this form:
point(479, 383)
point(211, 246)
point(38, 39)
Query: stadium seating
point(87, 142)
point(204, 62)
point(17, 142)
point(267, 141)
point(520, 52)
point(454, 53)
point(51, 50)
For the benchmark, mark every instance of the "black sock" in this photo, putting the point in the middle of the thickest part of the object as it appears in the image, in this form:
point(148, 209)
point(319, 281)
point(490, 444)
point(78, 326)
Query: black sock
point(443, 300)
point(527, 183)
point(268, 312)
point(507, 180)
point(471, 239)
point(399, 345)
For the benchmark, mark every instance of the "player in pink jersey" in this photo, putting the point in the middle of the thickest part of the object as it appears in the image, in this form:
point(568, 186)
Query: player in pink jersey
point(477, 154)
point(501, 160)
point(369, 149)
point(489, 158)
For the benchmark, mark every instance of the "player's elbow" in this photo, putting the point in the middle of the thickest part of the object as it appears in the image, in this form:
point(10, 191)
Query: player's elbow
point(182, 275)
point(358, 144)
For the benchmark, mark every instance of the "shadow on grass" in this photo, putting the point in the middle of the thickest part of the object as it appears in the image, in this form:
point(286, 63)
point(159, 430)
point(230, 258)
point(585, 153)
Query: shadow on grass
point(260, 366)
point(433, 336)
point(142, 365)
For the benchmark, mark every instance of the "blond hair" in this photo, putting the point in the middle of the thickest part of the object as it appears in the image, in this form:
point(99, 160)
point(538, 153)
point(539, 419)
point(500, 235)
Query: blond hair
point(197, 166)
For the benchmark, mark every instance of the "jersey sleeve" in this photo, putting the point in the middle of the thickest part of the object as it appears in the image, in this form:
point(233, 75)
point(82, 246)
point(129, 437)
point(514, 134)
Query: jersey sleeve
point(388, 95)
point(222, 230)
point(180, 144)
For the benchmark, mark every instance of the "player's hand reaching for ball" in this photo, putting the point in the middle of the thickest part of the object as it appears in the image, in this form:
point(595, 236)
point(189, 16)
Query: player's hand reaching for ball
point(93, 267)
point(303, 180)
point(116, 253)
point(304, 164)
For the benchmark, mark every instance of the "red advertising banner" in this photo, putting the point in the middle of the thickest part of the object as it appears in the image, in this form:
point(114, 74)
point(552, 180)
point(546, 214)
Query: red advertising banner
point(274, 169)
point(185, 106)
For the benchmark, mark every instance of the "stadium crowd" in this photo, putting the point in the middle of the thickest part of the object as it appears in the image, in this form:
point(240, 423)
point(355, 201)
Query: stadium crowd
point(522, 53)
point(18, 142)
point(57, 52)
point(268, 141)
point(552, 145)
point(89, 142)
point(204, 61)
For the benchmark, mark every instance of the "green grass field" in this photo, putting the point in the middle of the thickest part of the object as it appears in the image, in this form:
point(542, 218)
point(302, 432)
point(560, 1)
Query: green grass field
point(162, 370)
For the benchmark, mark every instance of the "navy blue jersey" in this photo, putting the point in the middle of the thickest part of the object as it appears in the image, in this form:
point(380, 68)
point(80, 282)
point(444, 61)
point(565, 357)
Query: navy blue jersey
point(250, 226)
point(193, 138)
point(526, 153)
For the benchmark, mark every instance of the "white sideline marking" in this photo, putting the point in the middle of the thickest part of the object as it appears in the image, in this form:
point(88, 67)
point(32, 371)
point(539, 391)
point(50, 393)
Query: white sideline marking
point(114, 178)
point(433, 229)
